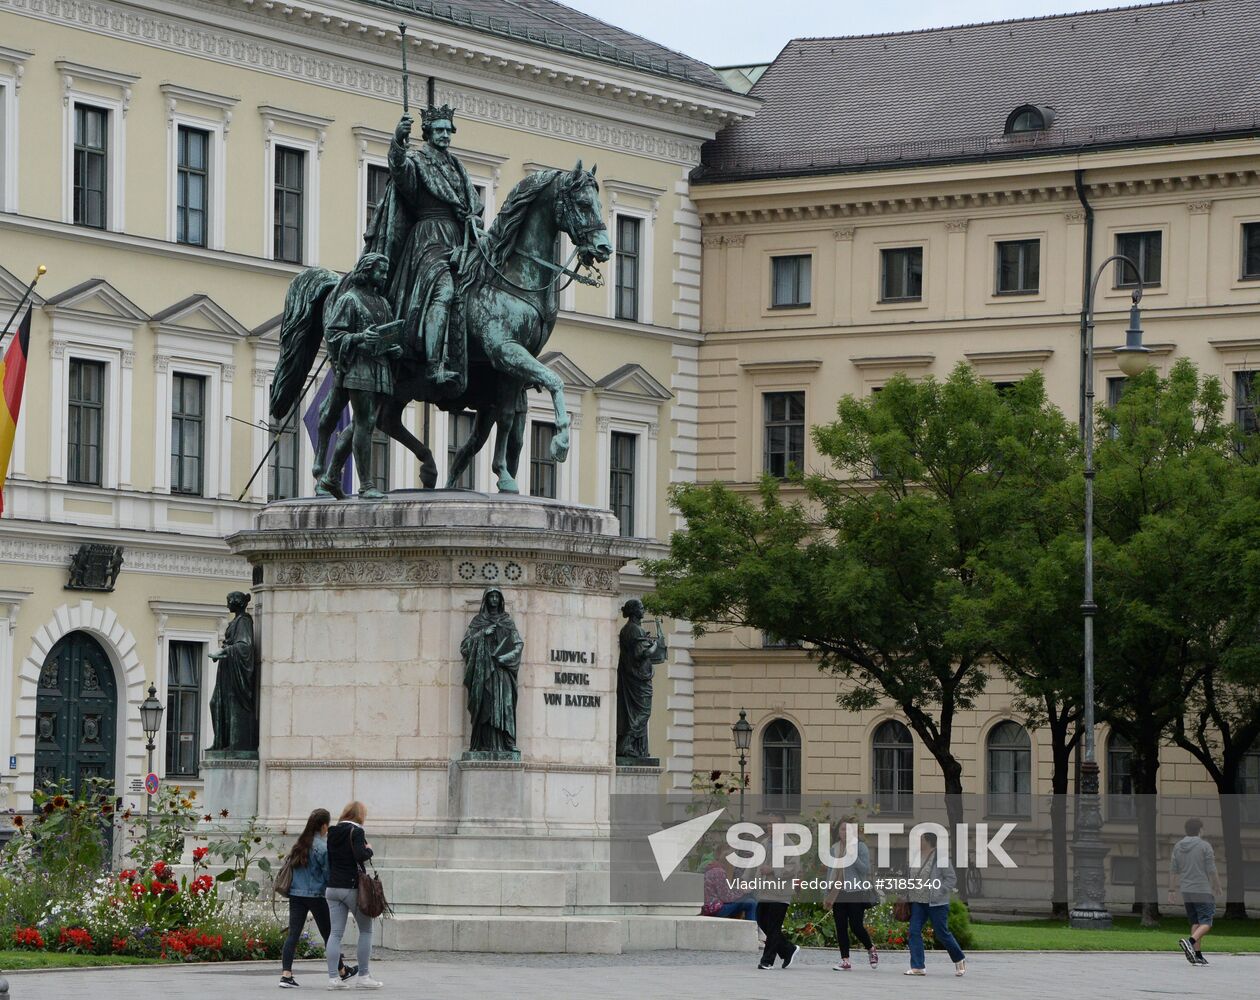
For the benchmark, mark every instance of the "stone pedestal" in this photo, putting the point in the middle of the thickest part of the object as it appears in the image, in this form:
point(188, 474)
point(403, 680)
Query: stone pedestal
point(364, 605)
point(231, 783)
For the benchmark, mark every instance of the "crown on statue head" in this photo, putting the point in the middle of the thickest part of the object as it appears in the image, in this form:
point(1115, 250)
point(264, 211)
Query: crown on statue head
point(430, 115)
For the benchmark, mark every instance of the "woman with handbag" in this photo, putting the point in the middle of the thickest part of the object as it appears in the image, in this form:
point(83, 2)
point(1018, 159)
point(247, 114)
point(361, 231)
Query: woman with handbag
point(348, 849)
point(307, 868)
point(931, 886)
point(851, 895)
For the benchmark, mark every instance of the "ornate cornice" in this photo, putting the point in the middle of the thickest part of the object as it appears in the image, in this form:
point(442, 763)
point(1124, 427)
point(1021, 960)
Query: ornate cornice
point(321, 63)
point(167, 562)
point(1005, 195)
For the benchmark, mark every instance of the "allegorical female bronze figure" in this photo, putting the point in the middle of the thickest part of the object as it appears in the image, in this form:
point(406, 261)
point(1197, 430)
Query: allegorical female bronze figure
point(492, 660)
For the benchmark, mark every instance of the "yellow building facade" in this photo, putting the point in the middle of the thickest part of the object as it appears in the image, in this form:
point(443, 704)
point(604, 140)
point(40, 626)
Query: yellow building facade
point(834, 260)
point(175, 167)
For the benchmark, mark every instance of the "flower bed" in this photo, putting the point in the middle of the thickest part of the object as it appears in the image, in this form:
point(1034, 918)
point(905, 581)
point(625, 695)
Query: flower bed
point(811, 925)
point(58, 893)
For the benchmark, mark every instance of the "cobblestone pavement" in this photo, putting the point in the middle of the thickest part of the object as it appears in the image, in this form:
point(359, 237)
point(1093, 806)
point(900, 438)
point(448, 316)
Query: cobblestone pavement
point(678, 976)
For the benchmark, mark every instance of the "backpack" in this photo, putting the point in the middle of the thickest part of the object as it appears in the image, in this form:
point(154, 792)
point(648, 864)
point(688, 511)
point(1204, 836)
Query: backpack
point(284, 878)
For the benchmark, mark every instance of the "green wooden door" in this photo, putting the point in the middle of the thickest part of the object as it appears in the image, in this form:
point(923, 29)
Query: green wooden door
point(75, 713)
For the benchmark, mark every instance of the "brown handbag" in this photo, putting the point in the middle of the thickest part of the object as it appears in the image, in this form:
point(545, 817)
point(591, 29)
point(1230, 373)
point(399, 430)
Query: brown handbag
point(371, 894)
point(901, 909)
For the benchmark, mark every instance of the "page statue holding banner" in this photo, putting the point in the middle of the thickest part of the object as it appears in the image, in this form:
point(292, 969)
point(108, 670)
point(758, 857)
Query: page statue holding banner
point(234, 704)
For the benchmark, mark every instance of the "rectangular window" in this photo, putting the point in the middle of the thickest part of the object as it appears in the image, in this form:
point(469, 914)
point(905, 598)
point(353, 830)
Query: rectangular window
point(461, 430)
point(4, 150)
point(1251, 250)
point(1146, 251)
point(85, 422)
point(901, 274)
point(284, 458)
point(784, 431)
point(91, 130)
point(1115, 389)
point(377, 180)
point(188, 422)
point(290, 204)
point(1245, 395)
point(621, 479)
point(627, 294)
point(192, 183)
point(1019, 267)
point(790, 281)
point(183, 709)
point(542, 467)
point(380, 460)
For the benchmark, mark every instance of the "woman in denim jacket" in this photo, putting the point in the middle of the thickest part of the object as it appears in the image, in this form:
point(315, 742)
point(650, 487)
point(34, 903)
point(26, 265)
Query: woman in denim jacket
point(929, 900)
point(309, 861)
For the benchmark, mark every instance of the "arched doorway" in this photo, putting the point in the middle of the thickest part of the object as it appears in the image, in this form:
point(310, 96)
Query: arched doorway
point(75, 713)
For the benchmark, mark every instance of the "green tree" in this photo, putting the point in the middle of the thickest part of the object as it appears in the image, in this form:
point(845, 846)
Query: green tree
point(1164, 468)
point(874, 569)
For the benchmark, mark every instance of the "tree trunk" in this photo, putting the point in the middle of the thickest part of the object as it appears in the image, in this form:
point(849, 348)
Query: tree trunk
point(1146, 888)
point(952, 771)
point(1231, 823)
point(1058, 821)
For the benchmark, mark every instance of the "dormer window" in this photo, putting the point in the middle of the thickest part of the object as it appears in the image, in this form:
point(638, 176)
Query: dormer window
point(1029, 118)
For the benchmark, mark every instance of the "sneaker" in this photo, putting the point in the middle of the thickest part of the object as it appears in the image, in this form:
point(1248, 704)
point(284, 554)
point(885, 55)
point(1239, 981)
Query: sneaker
point(367, 983)
point(844, 966)
point(1188, 949)
point(288, 983)
point(873, 955)
point(338, 984)
point(1199, 959)
point(914, 972)
point(787, 962)
point(763, 966)
point(348, 971)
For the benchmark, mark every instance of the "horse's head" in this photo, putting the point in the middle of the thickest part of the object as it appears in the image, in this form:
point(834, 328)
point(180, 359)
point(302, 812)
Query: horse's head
point(580, 215)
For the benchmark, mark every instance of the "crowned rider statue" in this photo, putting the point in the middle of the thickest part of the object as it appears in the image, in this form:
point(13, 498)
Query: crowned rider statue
point(428, 225)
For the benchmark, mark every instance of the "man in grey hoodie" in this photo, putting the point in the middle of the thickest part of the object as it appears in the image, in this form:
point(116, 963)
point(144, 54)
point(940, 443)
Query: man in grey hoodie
point(1193, 871)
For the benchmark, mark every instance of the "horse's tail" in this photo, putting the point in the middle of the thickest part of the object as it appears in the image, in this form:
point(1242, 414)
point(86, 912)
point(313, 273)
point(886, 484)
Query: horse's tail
point(301, 332)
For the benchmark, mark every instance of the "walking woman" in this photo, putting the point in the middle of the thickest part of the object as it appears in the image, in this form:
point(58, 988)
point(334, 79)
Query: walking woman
point(850, 896)
point(773, 899)
point(347, 850)
point(309, 861)
point(934, 881)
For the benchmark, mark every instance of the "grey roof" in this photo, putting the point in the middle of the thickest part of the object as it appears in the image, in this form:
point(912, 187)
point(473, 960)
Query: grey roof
point(555, 26)
point(1126, 76)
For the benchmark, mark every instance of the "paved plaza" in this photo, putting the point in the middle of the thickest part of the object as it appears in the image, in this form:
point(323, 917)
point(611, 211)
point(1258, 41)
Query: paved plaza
point(678, 976)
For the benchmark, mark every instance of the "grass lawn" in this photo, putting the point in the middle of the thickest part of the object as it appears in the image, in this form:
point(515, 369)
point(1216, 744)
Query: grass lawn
point(10, 960)
point(1126, 934)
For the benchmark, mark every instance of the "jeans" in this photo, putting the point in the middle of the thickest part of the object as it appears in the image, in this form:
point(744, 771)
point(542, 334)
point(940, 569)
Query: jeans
point(299, 907)
point(770, 916)
point(920, 914)
point(745, 909)
point(341, 903)
point(853, 915)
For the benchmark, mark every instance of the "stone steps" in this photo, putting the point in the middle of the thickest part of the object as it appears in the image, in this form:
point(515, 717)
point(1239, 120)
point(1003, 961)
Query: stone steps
point(609, 934)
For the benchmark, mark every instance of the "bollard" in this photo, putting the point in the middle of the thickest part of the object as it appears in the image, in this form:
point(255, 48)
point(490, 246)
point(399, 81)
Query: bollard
point(4, 987)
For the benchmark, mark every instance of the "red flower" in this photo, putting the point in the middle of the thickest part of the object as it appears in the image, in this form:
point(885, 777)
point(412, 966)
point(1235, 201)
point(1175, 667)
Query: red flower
point(161, 869)
point(137, 890)
point(714, 776)
point(201, 884)
point(75, 938)
point(119, 945)
point(59, 802)
point(127, 875)
point(28, 937)
point(223, 814)
point(200, 852)
point(19, 822)
point(207, 818)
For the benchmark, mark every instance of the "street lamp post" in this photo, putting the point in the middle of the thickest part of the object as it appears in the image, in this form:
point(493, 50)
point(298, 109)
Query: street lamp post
point(150, 722)
point(743, 740)
point(1089, 908)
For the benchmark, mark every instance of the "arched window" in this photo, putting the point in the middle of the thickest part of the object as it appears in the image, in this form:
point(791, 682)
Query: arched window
point(1010, 770)
point(893, 767)
point(781, 765)
point(1028, 118)
point(1120, 804)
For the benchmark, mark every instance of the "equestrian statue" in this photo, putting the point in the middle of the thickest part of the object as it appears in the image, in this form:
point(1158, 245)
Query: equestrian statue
point(440, 310)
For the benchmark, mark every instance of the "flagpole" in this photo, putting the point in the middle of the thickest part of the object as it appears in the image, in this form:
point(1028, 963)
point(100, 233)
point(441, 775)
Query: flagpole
point(275, 438)
point(39, 273)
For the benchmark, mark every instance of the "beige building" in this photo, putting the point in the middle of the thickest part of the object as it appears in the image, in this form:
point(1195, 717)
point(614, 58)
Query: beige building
point(903, 203)
point(175, 167)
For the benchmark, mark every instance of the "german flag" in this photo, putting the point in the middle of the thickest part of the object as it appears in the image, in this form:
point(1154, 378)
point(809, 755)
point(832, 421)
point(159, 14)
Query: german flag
point(12, 376)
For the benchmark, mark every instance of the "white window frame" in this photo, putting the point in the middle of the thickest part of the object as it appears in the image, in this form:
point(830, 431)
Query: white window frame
point(647, 237)
point(215, 480)
point(72, 76)
point(568, 472)
point(483, 479)
point(85, 341)
point(216, 208)
point(11, 82)
point(280, 127)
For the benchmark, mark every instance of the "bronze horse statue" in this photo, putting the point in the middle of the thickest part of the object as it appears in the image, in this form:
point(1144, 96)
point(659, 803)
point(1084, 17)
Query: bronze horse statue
point(510, 304)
